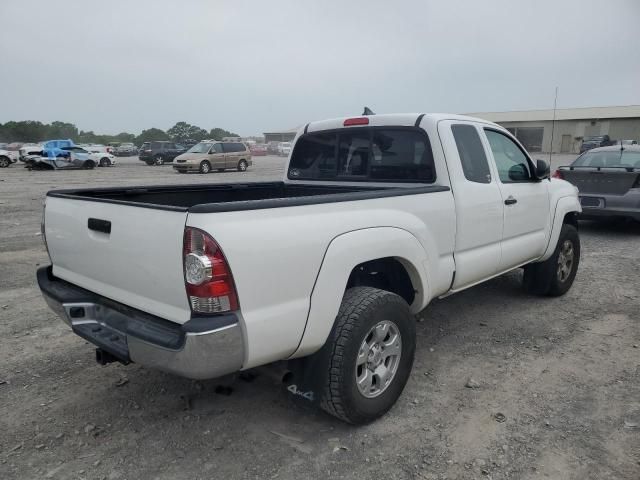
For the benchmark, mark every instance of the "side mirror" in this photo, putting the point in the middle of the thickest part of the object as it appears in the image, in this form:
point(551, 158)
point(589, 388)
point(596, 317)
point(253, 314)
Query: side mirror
point(543, 170)
point(518, 173)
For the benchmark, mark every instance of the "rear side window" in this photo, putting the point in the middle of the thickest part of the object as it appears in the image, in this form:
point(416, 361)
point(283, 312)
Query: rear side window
point(474, 161)
point(379, 154)
point(233, 147)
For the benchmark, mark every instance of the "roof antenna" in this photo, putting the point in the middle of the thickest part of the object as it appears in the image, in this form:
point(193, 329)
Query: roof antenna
point(368, 111)
point(553, 124)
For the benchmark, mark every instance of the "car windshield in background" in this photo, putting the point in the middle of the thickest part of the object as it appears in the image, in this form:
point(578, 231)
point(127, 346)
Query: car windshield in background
point(360, 154)
point(610, 158)
point(200, 148)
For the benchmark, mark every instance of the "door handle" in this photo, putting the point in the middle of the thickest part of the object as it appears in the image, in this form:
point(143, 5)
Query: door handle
point(99, 225)
point(510, 200)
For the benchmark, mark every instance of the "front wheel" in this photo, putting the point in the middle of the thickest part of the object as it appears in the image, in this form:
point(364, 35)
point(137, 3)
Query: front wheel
point(242, 166)
point(370, 355)
point(159, 160)
point(205, 167)
point(554, 276)
point(4, 162)
point(105, 162)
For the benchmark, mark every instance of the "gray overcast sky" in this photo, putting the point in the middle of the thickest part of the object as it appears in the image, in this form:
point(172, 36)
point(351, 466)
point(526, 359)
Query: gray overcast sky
point(265, 65)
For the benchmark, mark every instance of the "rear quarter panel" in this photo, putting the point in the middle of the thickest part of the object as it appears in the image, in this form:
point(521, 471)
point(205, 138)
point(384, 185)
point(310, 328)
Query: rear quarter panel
point(275, 256)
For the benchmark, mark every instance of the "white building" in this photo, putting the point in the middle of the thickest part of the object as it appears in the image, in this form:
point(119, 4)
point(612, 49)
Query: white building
point(533, 127)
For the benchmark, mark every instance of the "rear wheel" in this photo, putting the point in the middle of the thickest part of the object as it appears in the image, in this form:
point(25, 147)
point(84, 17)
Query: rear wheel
point(370, 355)
point(159, 160)
point(205, 167)
point(4, 162)
point(554, 276)
point(242, 165)
point(89, 165)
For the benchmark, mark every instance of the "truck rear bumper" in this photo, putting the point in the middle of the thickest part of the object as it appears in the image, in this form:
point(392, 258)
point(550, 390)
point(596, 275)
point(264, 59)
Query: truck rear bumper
point(203, 347)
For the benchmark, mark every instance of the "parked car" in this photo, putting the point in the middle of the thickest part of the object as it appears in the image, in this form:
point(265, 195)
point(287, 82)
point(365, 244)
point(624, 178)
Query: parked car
point(29, 149)
point(593, 142)
point(624, 142)
point(284, 149)
point(159, 152)
point(608, 180)
point(272, 148)
point(207, 156)
point(323, 270)
point(126, 150)
point(65, 158)
point(101, 155)
point(7, 157)
point(258, 150)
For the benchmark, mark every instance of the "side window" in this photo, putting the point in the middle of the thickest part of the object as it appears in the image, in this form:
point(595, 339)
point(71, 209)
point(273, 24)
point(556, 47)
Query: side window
point(474, 161)
point(217, 148)
point(511, 162)
point(227, 147)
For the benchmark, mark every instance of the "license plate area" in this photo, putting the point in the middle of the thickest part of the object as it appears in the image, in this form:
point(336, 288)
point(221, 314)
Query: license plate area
point(592, 202)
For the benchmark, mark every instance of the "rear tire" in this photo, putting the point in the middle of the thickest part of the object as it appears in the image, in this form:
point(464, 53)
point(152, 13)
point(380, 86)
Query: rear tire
point(159, 160)
point(4, 162)
point(368, 366)
point(554, 276)
point(205, 167)
point(242, 166)
point(89, 165)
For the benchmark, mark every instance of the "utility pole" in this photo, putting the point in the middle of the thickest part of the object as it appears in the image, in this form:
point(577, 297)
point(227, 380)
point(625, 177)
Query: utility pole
point(553, 124)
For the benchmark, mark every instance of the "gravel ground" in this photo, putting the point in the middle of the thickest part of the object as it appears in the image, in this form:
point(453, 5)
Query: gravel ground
point(557, 381)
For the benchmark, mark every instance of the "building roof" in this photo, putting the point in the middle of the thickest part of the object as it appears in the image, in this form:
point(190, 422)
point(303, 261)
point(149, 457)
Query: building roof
point(588, 113)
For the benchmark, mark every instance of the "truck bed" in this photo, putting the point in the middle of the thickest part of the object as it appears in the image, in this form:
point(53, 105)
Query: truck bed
point(236, 196)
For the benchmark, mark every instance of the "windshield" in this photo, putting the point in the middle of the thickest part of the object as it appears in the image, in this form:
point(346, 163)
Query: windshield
point(611, 158)
point(200, 148)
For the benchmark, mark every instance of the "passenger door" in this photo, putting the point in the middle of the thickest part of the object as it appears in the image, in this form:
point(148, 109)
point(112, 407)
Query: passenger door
point(527, 215)
point(479, 207)
point(230, 154)
point(217, 156)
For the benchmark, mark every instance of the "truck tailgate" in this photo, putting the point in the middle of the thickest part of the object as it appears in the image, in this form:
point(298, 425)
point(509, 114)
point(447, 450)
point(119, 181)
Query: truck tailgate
point(129, 254)
point(606, 181)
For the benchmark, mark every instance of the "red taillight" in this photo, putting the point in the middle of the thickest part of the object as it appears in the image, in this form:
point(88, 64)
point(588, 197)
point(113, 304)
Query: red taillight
point(207, 276)
point(557, 174)
point(349, 122)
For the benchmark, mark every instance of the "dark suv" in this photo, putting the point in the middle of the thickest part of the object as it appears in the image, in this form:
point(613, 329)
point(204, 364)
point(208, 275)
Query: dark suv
point(156, 153)
point(594, 142)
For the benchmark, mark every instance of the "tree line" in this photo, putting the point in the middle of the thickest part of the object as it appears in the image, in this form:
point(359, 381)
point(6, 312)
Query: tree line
point(34, 131)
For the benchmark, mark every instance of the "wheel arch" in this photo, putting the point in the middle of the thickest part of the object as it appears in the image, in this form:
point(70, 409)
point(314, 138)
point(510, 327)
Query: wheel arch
point(567, 210)
point(390, 250)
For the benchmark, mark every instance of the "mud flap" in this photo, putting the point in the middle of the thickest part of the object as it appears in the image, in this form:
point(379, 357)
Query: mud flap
point(308, 377)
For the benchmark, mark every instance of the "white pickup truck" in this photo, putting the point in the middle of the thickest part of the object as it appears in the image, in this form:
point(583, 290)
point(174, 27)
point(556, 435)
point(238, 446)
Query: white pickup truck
point(376, 216)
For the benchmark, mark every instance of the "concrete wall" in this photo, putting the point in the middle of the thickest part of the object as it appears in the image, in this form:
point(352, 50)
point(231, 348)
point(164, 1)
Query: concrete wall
point(616, 128)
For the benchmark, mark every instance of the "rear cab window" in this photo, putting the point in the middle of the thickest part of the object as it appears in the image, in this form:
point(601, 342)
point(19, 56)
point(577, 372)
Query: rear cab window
point(375, 154)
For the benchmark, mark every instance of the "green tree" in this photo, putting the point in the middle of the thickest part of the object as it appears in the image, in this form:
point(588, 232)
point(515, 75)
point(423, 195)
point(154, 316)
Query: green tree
point(220, 133)
point(151, 135)
point(62, 130)
point(183, 131)
point(24, 131)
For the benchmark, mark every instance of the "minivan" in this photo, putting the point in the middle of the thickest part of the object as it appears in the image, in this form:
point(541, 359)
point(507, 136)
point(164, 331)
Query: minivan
point(210, 155)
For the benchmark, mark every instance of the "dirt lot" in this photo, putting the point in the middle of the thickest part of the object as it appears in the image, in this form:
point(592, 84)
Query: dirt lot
point(563, 374)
